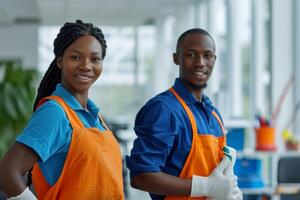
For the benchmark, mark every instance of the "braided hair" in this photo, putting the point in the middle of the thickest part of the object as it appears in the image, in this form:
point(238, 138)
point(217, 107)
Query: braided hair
point(66, 36)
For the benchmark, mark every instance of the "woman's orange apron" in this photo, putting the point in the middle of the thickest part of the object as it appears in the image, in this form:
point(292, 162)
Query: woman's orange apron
point(92, 169)
point(205, 153)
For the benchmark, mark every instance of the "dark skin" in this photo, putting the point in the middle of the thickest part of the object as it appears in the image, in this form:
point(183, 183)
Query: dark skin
point(81, 65)
point(15, 163)
point(196, 58)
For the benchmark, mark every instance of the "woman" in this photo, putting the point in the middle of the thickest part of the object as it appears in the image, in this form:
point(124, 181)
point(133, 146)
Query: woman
point(72, 152)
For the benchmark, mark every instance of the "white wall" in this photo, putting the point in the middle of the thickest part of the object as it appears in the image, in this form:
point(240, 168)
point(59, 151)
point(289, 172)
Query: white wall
point(282, 61)
point(20, 42)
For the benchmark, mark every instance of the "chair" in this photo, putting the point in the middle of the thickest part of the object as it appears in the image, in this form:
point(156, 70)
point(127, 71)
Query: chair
point(288, 178)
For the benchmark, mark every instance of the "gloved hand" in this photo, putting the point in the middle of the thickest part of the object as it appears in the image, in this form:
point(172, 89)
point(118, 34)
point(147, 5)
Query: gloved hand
point(237, 193)
point(25, 195)
point(217, 185)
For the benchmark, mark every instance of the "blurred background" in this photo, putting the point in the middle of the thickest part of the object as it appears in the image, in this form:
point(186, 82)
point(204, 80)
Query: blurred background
point(255, 83)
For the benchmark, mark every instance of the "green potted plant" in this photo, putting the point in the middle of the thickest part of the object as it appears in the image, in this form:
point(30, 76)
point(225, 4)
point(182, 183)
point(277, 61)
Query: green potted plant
point(17, 91)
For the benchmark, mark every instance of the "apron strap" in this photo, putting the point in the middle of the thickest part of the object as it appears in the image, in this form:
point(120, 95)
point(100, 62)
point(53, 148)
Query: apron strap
point(191, 116)
point(187, 110)
point(103, 122)
point(73, 118)
point(220, 122)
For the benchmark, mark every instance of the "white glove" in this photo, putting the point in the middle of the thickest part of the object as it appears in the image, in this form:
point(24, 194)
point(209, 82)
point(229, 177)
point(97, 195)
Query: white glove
point(25, 195)
point(216, 185)
point(237, 193)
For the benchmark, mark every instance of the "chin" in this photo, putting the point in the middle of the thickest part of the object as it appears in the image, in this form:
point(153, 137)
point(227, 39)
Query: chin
point(196, 85)
point(200, 86)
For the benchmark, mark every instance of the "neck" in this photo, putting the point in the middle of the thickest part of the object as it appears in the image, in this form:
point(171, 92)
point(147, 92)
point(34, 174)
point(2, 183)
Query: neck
point(196, 91)
point(82, 98)
point(197, 94)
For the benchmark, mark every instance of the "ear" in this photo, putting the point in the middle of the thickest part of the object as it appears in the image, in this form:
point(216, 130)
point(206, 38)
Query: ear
point(59, 62)
point(176, 58)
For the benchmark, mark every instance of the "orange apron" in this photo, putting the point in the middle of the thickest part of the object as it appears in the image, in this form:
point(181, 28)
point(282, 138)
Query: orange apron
point(205, 153)
point(92, 169)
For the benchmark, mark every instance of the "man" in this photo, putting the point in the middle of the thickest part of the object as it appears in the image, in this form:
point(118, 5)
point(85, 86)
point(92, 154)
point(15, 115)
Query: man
point(180, 135)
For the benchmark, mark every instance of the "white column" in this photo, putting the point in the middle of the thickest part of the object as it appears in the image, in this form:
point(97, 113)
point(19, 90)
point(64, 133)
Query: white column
point(159, 71)
point(259, 59)
point(202, 14)
point(234, 58)
point(163, 72)
point(282, 62)
point(137, 93)
point(185, 17)
point(296, 25)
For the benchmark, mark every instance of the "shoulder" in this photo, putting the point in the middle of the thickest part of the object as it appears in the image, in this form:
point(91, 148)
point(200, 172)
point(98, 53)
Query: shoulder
point(164, 100)
point(47, 130)
point(50, 108)
point(158, 109)
point(49, 111)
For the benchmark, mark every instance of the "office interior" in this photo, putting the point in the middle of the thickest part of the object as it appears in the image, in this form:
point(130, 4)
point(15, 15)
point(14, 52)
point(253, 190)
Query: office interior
point(255, 83)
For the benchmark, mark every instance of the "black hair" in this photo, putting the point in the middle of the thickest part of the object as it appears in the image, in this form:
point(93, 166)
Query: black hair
point(192, 31)
point(68, 33)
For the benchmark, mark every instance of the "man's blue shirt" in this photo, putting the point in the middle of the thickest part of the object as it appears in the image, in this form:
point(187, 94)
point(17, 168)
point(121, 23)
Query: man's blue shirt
point(49, 131)
point(164, 132)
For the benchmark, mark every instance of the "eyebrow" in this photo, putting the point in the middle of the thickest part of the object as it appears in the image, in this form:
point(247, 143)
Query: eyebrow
point(77, 51)
point(205, 51)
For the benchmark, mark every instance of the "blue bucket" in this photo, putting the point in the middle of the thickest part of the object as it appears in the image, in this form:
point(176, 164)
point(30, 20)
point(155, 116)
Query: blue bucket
point(235, 138)
point(249, 173)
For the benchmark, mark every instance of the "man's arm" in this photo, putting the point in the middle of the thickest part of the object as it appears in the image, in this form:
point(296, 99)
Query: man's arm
point(162, 183)
point(217, 185)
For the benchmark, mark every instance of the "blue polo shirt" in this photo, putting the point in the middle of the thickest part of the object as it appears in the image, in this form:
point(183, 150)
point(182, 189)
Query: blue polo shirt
point(49, 131)
point(164, 132)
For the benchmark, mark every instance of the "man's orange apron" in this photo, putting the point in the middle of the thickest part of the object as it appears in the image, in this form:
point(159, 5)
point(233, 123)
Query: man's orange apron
point(205, 153)
point(92, 169)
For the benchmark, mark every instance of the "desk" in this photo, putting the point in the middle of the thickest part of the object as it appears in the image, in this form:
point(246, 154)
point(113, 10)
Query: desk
point(288, 188)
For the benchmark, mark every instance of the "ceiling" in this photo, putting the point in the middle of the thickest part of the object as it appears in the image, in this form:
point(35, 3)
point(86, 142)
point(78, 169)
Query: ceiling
point(104, 12)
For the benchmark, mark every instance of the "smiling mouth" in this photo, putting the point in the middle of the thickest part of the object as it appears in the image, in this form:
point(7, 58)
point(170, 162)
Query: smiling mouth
point(200, 74)
point(83, 77)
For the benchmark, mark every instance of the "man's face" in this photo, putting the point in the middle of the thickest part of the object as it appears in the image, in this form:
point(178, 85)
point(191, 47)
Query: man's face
point(196, 59)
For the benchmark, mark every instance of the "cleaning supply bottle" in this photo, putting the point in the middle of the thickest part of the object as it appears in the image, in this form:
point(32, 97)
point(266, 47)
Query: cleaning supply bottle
point(231, 154)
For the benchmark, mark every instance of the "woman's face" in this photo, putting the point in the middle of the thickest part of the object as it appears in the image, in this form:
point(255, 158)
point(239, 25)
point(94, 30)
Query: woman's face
point(81, 64)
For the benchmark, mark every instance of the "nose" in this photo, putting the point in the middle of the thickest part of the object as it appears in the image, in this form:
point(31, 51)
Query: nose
point(200, 60)
point(86, 64)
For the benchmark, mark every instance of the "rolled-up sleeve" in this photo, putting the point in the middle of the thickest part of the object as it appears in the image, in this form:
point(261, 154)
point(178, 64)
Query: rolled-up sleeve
point(47, 130)
point(156, 130)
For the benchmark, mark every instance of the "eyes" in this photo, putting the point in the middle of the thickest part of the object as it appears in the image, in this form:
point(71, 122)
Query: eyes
point(93, 59)
point(207, 55)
